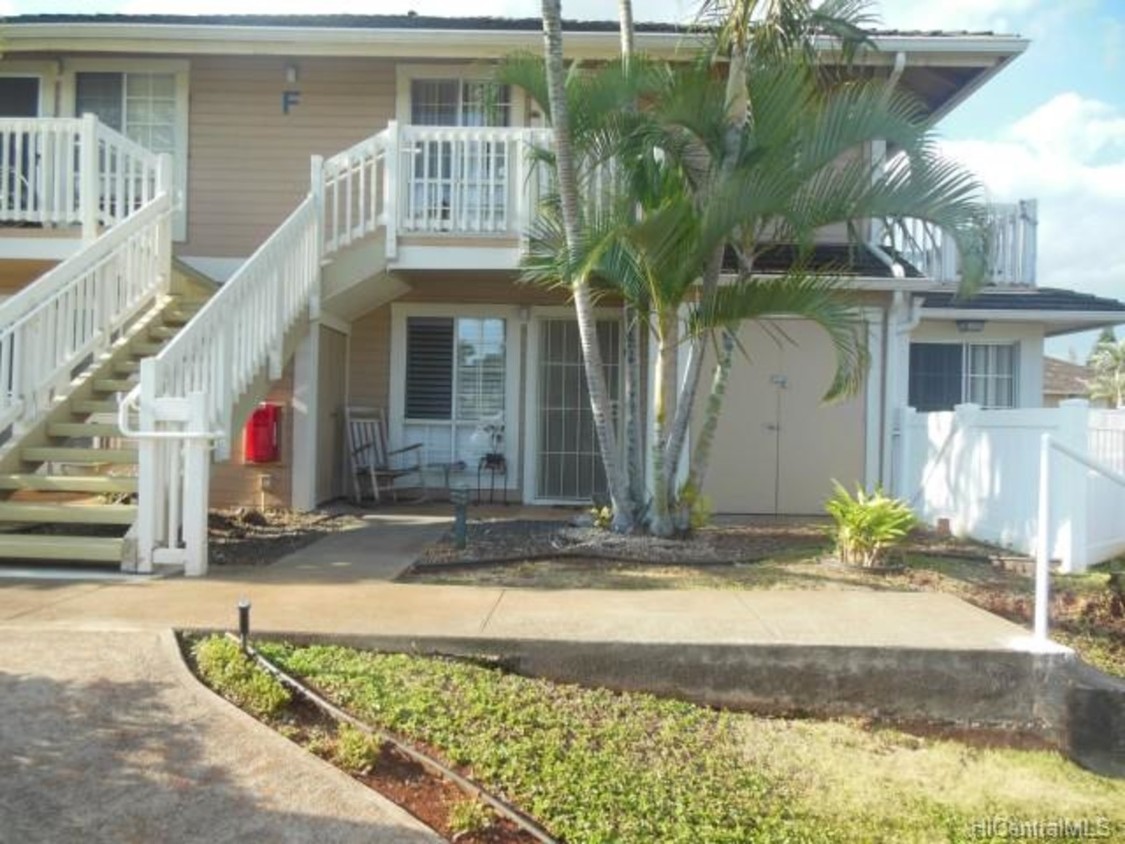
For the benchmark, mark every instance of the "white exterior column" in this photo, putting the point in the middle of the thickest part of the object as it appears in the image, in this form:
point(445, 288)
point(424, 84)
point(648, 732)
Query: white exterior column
point(304, 406)
point(903, 317)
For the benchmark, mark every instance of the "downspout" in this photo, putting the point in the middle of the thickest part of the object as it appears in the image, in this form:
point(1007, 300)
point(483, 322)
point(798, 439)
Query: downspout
point(878, 161)
point(903, 317)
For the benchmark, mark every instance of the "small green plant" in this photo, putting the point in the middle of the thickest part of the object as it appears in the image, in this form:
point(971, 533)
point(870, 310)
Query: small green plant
point(867, 526)
point(694, 509)
point(468, 816)
point(235, 676)
point(603, 517)
point(356, 751)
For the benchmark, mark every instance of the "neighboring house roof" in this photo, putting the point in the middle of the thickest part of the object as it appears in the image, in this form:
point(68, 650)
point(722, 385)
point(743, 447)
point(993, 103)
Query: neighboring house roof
point(1063, 378)
point(1061, 311)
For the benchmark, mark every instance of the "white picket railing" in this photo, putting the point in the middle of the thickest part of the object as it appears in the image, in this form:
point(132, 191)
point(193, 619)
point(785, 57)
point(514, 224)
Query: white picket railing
point(356, 190)
point(71, 172)
point(80, 306)
point(933, 253)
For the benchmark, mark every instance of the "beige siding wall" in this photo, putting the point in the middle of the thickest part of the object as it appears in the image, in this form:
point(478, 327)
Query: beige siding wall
point(249, 162)
point(235, 483)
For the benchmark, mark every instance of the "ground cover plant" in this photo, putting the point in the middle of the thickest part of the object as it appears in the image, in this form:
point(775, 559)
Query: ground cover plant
point(595, 767)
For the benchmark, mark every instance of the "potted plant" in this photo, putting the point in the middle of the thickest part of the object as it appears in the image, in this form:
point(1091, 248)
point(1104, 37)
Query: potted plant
point(867, 526)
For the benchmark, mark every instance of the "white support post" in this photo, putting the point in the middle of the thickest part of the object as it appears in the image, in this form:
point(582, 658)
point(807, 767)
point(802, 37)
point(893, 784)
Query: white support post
point(1030, 220)
point(305, 406)
point(521, 218)
point(196, 480)
point(316, 188)
point(88, 175)
point(165, 184)
point(392, 160)
point(1042, 544)
point(149, 489)
point(899, 471)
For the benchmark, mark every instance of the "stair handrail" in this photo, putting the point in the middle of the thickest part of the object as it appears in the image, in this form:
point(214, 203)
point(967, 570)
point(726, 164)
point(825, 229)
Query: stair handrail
point(80, 306)
point(354, 191)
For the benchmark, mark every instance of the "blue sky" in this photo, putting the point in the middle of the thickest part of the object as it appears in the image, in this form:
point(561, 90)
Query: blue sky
point(1050, 127)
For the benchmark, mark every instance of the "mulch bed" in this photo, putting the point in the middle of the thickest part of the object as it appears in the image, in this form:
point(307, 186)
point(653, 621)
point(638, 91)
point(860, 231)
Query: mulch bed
point(521, 540)
point(245, 537)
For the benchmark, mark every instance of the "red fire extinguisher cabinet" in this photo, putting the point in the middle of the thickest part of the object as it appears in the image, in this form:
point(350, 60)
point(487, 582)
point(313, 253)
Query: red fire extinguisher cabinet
point(262, 437)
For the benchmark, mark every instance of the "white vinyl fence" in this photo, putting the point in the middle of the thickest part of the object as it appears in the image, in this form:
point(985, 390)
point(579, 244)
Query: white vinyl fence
point(979, 469)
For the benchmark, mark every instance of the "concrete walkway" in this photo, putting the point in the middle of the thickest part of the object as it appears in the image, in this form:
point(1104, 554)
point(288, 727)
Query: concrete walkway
point(341, 586)
point(106, 737)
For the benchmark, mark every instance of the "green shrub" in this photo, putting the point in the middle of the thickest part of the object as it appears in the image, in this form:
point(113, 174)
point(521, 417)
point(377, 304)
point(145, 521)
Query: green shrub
point(356, 751)
point(867, 526)
point(235, 676)
point(468, 816)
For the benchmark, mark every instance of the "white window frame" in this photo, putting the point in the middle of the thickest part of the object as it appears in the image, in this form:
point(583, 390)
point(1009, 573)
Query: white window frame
point(180, 69)
point(45, 72)
point(400, 312)
point(405, 74)
point(966, 345)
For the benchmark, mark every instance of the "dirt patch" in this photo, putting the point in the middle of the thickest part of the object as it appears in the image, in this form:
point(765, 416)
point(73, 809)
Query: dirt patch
point(245, 537)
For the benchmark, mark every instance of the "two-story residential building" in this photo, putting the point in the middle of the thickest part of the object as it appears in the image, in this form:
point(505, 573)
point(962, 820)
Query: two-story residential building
point(385, 274)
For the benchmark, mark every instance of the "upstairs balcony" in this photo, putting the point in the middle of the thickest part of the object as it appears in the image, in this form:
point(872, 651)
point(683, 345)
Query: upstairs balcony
point(63, 180)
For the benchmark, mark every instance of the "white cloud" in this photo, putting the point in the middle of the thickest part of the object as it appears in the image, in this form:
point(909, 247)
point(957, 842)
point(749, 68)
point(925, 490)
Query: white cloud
point(1069, 154)
point(997, 15)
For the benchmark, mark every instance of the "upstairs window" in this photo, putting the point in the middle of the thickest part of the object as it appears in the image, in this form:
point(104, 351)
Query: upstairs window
point(141, 106)
point(946, 374)
point(459, 102)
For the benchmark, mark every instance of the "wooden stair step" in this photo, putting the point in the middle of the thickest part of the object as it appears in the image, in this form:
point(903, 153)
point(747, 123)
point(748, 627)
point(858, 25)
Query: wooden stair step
point(163, 332)
point(127, 366)
point(68, 514)
point(146, 350)
point(94, 406)
point(84, 429)
point(91, 549)
point(63, 454)
point(104, 484)
point(114, 385)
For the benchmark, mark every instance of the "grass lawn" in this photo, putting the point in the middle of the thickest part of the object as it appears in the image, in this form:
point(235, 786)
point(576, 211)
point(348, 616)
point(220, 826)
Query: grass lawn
point(1086, 614)
point(597, 767)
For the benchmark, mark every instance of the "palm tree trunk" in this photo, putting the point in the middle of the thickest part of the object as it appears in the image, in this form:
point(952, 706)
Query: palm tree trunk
point(663, 473)
point(633, 416)
point(583, 303)
point(702, 452)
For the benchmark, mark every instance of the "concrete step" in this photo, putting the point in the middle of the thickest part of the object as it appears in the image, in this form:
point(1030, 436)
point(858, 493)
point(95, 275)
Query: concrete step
point(67, 514)
point(84, 429)
point(127, 366)
point(92, 549)
point(104, 484)
point(163, 332)
point(114, 385)
point(94, 406)
point(145, 350)
point(62, 454)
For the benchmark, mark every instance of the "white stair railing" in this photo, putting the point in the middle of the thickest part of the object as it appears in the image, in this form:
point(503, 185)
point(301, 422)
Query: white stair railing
point(356, 192)
point(78, 308)
point(72, 172)
point(187, 393)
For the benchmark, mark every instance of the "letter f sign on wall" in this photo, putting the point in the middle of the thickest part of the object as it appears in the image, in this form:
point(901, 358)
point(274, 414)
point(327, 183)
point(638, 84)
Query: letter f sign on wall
point(289, 99)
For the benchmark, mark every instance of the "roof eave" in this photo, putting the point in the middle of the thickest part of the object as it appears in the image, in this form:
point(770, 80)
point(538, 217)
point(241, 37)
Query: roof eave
point(1056, 322)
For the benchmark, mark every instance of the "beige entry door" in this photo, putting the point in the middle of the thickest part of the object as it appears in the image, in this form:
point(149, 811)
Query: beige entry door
point(331, 387)
point(778, 447)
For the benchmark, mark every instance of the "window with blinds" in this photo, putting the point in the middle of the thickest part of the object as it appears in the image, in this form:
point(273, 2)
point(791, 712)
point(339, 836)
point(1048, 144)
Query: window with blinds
point(946, 374)
point(455, 384)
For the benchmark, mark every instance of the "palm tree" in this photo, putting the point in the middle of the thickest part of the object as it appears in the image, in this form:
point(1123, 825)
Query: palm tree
point(580, 286)
point(1108, 362)
point(711, 183)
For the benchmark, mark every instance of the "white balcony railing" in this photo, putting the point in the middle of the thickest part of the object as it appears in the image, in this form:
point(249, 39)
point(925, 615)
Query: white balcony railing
point(932, 253)
point(64, 172)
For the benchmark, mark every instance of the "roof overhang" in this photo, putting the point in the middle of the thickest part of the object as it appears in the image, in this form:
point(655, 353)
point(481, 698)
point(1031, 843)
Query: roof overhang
point(1055, 323)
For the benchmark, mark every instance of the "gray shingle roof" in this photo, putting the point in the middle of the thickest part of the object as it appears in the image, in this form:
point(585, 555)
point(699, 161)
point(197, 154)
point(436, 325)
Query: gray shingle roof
point(1031, 299)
